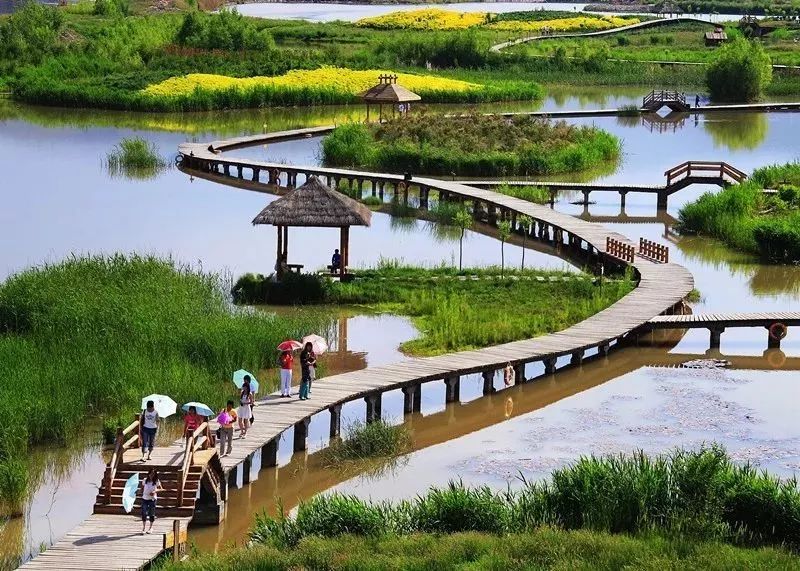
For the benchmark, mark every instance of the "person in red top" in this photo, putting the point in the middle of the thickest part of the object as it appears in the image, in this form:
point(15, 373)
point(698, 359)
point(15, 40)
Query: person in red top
point(286, 361)
point(191, 421)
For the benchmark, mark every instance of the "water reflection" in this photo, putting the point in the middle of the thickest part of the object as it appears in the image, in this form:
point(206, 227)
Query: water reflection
point(737, 131)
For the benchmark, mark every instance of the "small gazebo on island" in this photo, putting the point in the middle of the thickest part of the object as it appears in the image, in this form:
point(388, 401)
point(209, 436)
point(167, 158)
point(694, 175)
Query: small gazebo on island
point(314, 205)
point(388, 92)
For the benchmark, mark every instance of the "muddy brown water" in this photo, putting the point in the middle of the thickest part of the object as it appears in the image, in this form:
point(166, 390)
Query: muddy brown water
point(599, 407)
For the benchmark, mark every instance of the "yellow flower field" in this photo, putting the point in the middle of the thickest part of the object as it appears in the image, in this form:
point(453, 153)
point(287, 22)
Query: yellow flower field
point(576, 24)
point(339, 79)
point(428, 19)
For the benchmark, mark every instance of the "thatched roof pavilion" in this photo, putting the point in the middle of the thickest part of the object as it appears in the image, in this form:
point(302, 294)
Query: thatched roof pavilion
point(387, 92)
point(314, 205)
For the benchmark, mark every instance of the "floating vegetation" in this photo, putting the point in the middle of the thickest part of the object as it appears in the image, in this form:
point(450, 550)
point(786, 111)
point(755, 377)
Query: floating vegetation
point(135, 158)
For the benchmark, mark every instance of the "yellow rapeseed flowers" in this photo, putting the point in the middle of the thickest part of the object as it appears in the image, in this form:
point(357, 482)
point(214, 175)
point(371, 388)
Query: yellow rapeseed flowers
point(576, 24)
point(428, 19)
point(340, 79)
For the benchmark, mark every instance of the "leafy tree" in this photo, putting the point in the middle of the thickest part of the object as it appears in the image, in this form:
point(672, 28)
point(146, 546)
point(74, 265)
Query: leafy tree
point(504, 231)
point(740, 72)
point(526, 222)
point(462, 219)
point(31, 33)
point(227, 30)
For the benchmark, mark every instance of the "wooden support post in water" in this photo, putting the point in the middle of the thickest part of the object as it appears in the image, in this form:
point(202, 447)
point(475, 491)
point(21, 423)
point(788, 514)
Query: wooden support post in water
point(622, 195)
point(602, 349)
point(336, 420)
point(519, 374)
point(586, 197)
point(715, 335)
point(577, 357)
point(373, 406)
point(247, 465)
point(269, 454)
point(661, 202)
point(255, 174)
point(227, 169)
point(239, 171)
point(549, 365)
point(412, 398)
point(772, 342)
point(423, 197)
point(301, 434)
point(452, 391)
point(488, 382)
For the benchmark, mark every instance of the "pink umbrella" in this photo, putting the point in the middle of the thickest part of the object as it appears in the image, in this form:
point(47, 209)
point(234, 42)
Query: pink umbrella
point(290, 345)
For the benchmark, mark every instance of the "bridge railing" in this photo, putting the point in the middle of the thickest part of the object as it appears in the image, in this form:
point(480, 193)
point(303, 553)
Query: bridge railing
point(120, 445)
point(661, 96)
point(709, 169)
point(199, 439)
point(653, 251)
point(619, 250)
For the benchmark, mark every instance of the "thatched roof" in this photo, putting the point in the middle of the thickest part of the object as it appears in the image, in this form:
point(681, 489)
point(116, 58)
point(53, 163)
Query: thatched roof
point(387, 91)
point(314, 204)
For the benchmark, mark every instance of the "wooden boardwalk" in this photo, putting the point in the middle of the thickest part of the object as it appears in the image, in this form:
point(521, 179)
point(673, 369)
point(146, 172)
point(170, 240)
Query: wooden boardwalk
point(717, 323)
point(661, 287)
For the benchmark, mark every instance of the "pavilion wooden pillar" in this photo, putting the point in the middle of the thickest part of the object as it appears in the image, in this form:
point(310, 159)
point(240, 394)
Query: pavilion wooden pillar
point(280, 245)
point(344, 248)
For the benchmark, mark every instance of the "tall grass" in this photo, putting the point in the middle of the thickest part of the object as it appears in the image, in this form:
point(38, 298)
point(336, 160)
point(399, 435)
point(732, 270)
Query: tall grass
point(540, 549)
point(698, 495)
point(745, 218)
point(478, 145)
point(89, 337)
point(135, 157)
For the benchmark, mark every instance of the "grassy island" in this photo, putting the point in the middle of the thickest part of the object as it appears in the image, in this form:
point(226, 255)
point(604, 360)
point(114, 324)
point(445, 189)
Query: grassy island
point(458, 310)
point(85, 339)
point(686, 510)
point(475, 145)
point(747, 218)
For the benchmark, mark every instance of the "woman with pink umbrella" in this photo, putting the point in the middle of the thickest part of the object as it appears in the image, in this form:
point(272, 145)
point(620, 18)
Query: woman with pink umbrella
point(286, 360)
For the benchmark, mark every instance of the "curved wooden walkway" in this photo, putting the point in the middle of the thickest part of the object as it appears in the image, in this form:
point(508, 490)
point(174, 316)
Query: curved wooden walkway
point(601, 33)
point(661, 286)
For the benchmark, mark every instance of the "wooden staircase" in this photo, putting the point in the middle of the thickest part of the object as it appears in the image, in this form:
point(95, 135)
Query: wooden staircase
point(189, 470)
point(167, 505)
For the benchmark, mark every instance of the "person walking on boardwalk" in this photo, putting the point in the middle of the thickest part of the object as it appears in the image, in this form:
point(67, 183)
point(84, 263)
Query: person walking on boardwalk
point(150, 489)
point(286, 361)
point(226, 418)
point(245, 411)
point(307, 361)
point(191, 421)
point(149, 429)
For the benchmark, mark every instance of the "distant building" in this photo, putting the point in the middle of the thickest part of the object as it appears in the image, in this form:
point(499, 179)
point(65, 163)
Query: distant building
point(716, 38)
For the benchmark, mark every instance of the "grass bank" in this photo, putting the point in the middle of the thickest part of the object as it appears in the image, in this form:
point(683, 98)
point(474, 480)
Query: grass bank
point(538, 549)
point(455, 312)
point(687, 509)
point(476, 145)
point(746, 218)
point(89, 337)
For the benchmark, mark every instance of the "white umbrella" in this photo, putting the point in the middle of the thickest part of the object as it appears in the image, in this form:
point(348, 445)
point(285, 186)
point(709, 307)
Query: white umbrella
point(202, 409)
point(129, 492)
point(164, 405)
point(318, 344)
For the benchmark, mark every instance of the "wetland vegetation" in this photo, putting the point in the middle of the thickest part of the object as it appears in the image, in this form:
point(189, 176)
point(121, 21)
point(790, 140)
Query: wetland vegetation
point(82, 340)
point(458, 310)
point(687, 508)
point(748, 219)
point(473, 145)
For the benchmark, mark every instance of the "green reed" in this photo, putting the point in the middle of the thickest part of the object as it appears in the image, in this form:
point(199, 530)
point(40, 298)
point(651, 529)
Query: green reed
point(89, 337)
point(365, 441)
point(694, 495)
point(136, 158)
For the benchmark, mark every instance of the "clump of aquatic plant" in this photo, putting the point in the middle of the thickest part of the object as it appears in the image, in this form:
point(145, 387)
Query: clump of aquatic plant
point(135, 158)
point(364, 441)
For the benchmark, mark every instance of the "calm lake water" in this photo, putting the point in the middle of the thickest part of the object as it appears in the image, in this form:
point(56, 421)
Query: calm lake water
point(352, 12)
point(59, 199)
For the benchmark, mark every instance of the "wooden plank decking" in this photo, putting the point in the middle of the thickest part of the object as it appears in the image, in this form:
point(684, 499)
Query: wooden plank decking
point(112, 542)
point(712, 320)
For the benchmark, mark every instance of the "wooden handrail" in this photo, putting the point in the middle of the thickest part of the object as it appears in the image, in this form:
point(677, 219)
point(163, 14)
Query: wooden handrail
point(131, 426)
point(688, 167)
point(116, 457)
point(131, 442)
point(194, 441)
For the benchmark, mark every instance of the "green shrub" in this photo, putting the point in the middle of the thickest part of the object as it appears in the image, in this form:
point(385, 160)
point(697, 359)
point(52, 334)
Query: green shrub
point(225, 30)
point(294, 288)
point(30, 33)
point(111, 7)
point(740, 71)
point(458, 508)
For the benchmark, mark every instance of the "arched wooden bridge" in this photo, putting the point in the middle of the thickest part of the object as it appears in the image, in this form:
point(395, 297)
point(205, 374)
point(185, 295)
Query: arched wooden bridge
point(201, 479)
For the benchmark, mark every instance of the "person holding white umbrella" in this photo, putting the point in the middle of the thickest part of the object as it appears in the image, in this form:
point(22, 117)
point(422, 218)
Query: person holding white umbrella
point(154, 408)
